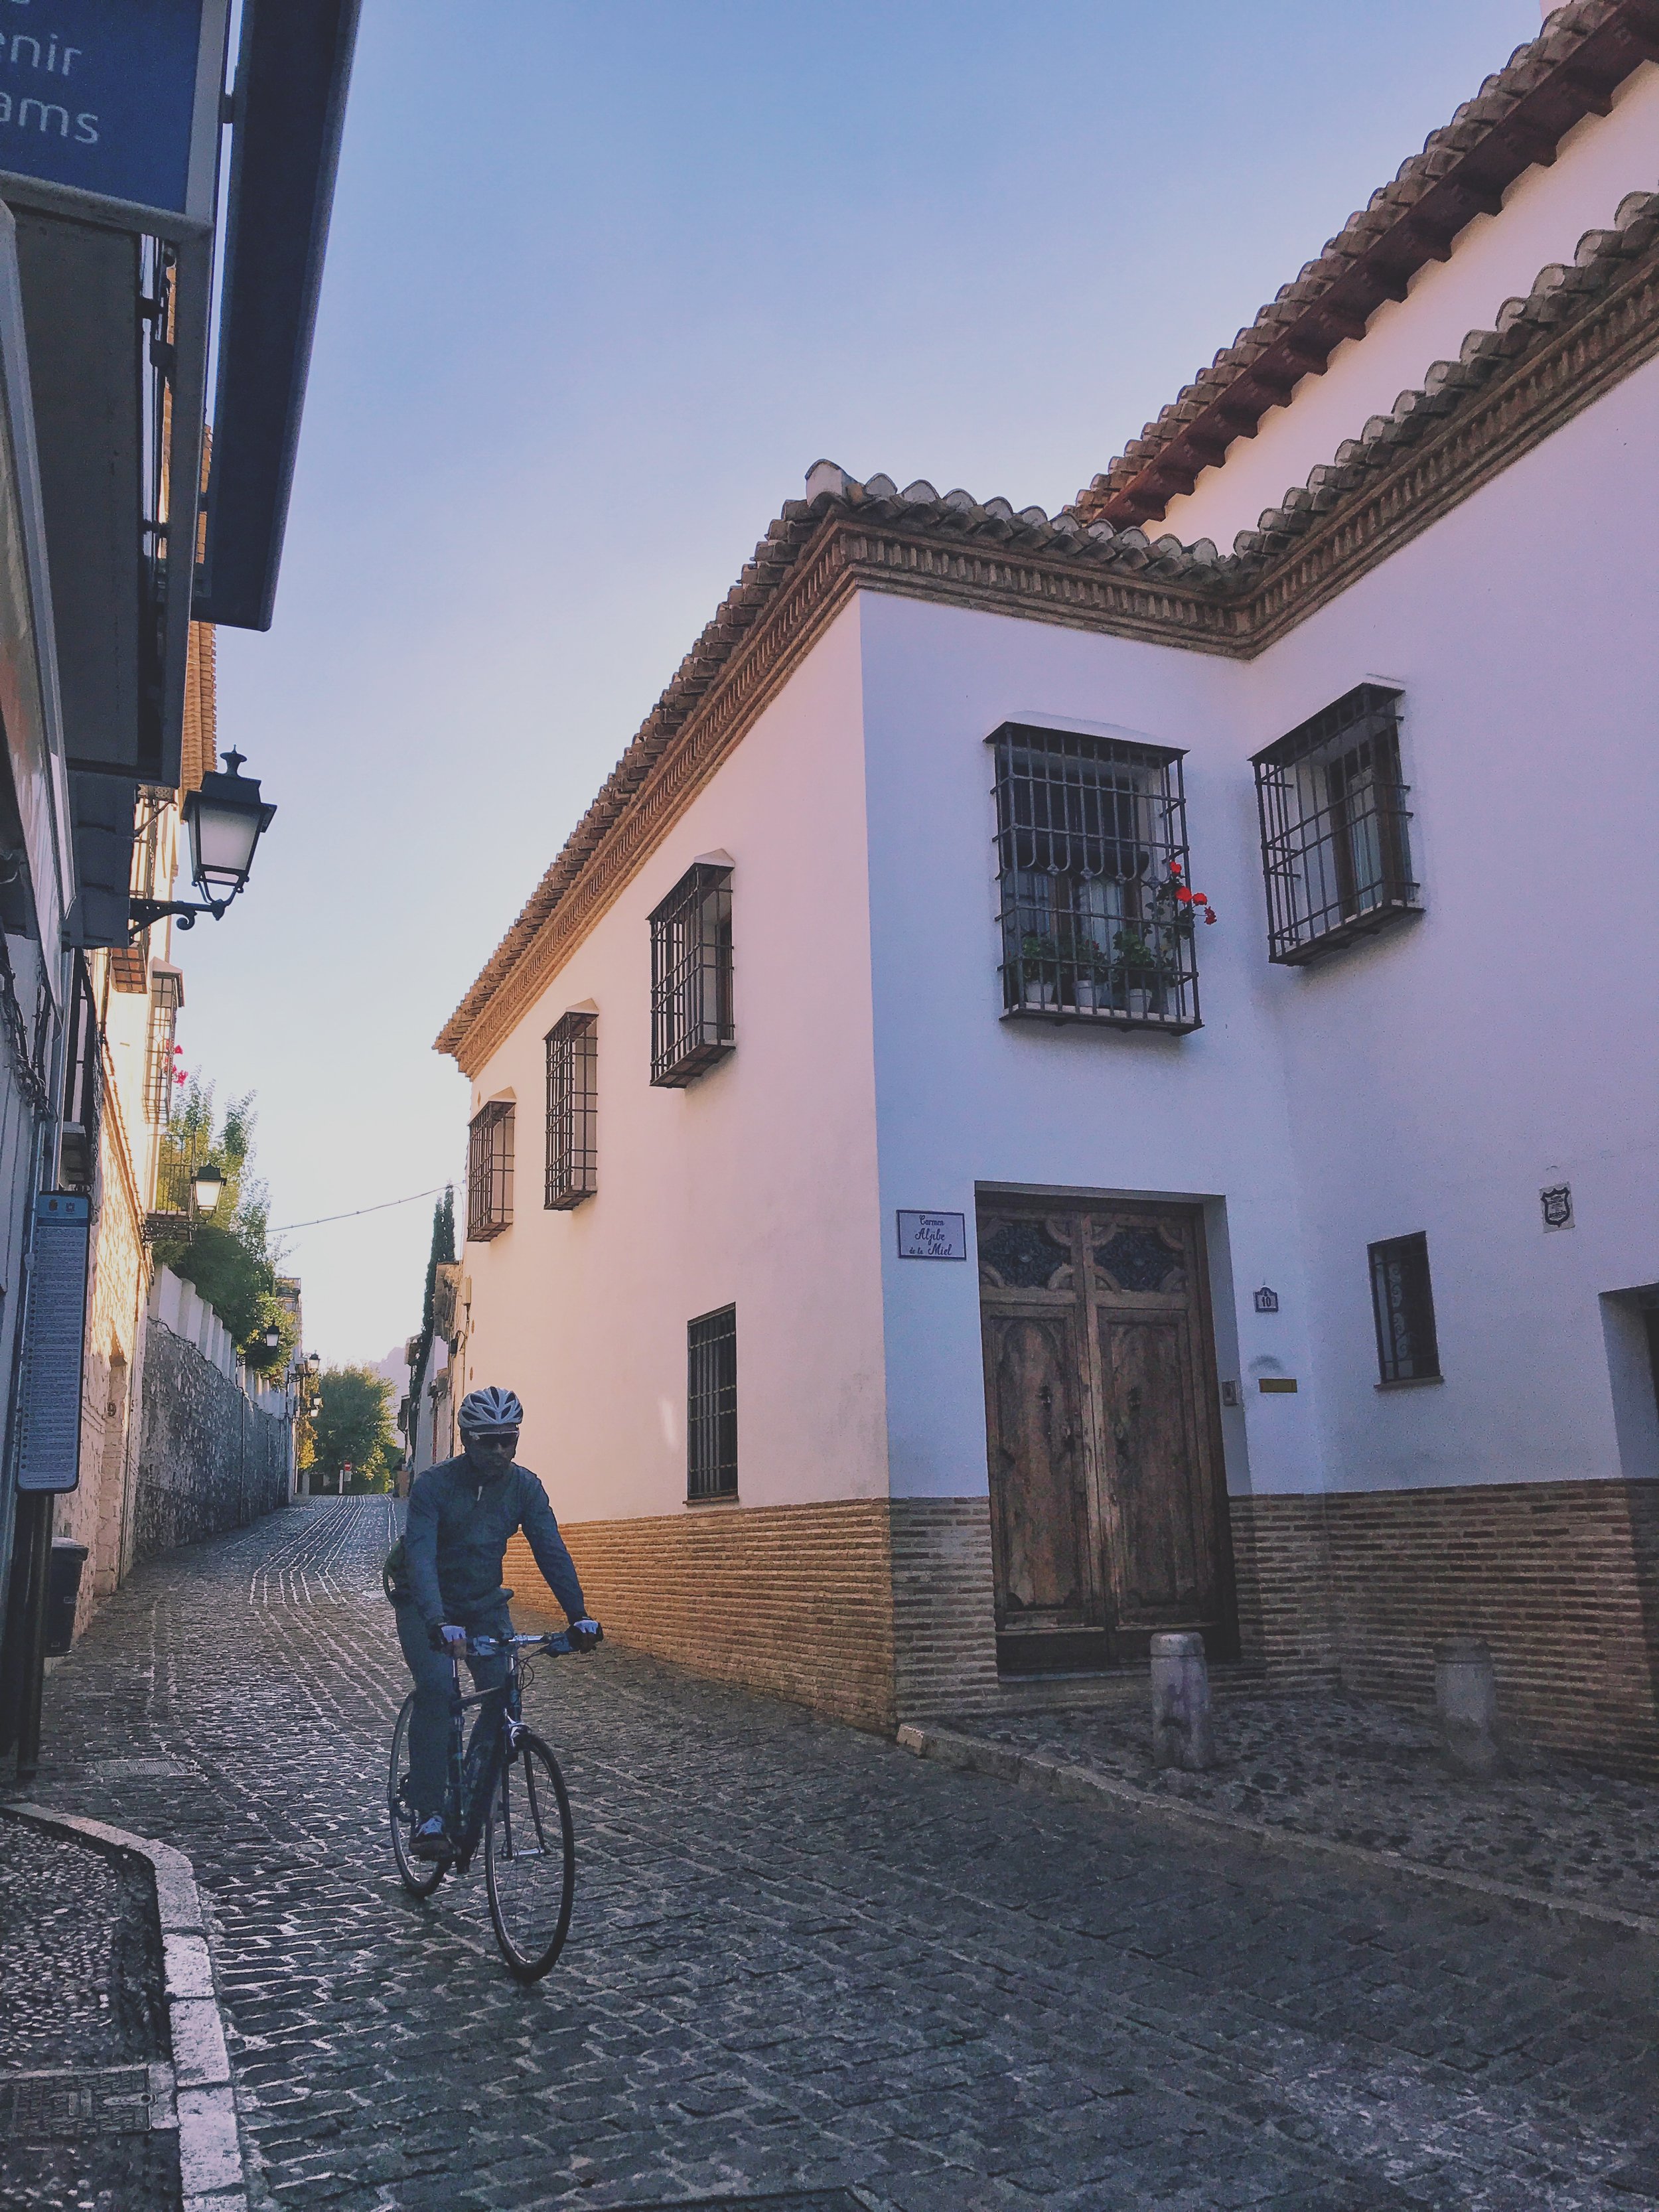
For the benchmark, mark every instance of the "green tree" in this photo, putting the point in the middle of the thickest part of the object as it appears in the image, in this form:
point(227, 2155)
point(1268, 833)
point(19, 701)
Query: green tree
point(226, 1254)
point(443, 1248)
point(353, 1428)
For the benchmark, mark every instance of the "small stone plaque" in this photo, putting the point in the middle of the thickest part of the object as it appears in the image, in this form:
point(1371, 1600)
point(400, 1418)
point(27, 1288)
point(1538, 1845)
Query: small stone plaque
point(1555, 1204)
point(931, 1236)
point(1276, 1385)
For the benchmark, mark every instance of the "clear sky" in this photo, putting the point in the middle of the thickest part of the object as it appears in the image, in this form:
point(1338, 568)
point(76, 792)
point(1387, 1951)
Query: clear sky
point(604, 280)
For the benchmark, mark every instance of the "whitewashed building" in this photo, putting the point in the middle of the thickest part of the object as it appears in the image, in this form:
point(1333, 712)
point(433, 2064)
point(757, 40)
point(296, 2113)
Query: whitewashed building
point(928, 1249)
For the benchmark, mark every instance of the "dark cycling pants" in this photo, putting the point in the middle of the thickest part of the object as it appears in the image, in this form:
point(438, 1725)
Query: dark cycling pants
point(434, 1685)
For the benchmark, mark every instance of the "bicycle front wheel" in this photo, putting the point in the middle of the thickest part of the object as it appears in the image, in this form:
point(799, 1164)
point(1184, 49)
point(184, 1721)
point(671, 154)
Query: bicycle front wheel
point(530, 1859)
point(420, 1876)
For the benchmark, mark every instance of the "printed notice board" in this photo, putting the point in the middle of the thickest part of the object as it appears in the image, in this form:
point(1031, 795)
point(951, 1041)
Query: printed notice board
point(931, 1236)
point(49, 1457)
point(111, 96)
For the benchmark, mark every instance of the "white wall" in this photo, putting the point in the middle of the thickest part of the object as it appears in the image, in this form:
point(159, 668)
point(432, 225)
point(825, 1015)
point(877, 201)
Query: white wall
point(756, 1185)
point(965, 1097)
point(1432, 1079)
point(1496, 258)
point(1440, 1076)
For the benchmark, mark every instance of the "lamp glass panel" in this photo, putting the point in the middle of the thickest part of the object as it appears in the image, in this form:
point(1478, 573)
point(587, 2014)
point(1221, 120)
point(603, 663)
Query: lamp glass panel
point(221, 841)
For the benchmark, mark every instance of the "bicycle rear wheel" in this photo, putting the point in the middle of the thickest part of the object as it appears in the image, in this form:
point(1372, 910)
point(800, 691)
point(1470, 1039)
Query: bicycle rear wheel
point(530, 1859)
point(420, 1876)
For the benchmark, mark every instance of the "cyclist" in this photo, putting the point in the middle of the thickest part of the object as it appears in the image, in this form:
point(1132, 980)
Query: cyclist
point(448, 1587)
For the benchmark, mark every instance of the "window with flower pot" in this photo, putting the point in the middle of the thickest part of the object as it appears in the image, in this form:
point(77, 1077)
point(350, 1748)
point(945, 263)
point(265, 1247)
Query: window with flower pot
point(691, 1019)
point(573, 1056)
point(711, 1406)
point(1336, 843)
point(1402, 1300)
point(489, 1172)
point(1098, 919)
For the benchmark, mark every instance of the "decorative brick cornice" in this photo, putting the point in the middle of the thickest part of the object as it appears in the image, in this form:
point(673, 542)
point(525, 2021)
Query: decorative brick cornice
point(1577, 334)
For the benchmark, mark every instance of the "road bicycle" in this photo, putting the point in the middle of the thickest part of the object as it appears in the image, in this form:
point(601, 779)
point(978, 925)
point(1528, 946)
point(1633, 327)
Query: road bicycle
point(505, 1787)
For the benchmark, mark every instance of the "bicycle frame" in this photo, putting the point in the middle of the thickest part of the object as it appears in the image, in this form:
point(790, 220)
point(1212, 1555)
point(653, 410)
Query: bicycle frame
point(471, 1810)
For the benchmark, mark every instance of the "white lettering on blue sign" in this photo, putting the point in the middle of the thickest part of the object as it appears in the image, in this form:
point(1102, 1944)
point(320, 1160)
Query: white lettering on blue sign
point(931, 1236)
point(107, 102)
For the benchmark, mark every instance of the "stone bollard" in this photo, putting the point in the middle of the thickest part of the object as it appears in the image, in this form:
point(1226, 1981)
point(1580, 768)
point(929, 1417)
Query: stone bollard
point(1181, 1703)
point(1466, 1704)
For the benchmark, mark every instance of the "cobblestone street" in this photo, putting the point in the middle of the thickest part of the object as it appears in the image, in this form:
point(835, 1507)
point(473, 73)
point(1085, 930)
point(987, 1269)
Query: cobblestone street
point(803, 1960)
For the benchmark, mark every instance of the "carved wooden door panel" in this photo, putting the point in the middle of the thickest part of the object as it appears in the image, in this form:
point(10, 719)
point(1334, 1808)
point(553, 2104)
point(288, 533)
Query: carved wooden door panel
point(1107, 1491)
point(1038, 1413)
point(1161, 1488)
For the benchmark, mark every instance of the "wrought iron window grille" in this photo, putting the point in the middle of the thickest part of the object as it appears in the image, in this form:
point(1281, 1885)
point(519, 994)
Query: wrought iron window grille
point(167, 995)
point(1091, 850)
point(573, 1056)
point(691, 1016)
point(1402, 1301)
point(1335, 837)
point(489, 1172)
point(711, 1406)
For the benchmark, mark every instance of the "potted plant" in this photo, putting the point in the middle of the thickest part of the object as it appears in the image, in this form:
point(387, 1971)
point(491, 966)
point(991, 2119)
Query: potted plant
point(1039, 969)
point(1139, 972)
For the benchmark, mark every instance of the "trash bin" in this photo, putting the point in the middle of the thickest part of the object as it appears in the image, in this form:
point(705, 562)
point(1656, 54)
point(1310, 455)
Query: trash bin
point(63, 1591)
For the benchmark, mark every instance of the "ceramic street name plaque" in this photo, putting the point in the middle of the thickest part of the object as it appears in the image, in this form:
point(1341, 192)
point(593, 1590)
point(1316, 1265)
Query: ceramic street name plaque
point(931, 1236)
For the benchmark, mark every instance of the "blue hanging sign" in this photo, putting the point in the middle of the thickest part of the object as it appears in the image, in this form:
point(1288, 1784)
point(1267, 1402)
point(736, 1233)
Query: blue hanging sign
point(116, 99)
point(55, 1328)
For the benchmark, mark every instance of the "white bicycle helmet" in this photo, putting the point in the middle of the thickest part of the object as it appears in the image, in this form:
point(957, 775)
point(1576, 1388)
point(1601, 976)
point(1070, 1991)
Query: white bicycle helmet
point(490, 1410)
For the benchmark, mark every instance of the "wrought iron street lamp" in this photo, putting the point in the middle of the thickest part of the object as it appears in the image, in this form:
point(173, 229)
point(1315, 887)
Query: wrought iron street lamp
point(205, 1186)
point(226, 818)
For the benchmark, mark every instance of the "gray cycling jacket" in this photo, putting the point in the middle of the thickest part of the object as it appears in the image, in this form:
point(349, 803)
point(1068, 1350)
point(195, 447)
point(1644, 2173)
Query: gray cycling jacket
point(455, 1540)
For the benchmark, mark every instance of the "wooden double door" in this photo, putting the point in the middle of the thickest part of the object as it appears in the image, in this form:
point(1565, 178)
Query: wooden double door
point(1108, 1495)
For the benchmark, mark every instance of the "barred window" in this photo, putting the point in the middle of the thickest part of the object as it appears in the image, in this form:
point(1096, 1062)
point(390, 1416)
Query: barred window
point(489, 1172)
point(1402, 1296)
point(691, 1024)
point(167, 995)
point(1335, 845)
point(572, 1057)
point(1096, 909)
point(711, 1406)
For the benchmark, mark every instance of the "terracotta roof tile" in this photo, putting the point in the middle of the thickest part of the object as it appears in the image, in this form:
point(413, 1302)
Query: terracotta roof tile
point(1520, 113)
point(1602, 257)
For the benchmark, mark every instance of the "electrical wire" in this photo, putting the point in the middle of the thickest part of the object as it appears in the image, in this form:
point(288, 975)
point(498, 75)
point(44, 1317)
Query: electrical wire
point(283, 1227)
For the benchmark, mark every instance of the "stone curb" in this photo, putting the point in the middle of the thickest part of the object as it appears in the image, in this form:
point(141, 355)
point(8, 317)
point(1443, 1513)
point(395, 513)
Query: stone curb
point(209, 2148)
point(1084, 1785)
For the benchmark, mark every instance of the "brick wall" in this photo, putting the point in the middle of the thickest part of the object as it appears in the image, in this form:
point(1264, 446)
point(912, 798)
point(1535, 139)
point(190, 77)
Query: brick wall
point(795, 1600)
point(943, 1606)
point(1560, 1579)
point(208, 1459)
point(1282, 1566)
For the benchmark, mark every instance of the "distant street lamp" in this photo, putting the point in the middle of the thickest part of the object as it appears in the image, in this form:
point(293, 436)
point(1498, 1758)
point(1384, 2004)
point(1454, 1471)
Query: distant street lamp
point(205, 1186)
point(226, 818)
point(273, 1337)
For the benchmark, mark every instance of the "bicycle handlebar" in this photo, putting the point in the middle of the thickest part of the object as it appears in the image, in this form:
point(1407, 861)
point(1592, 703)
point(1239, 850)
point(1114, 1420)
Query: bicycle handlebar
point(556, 1641)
